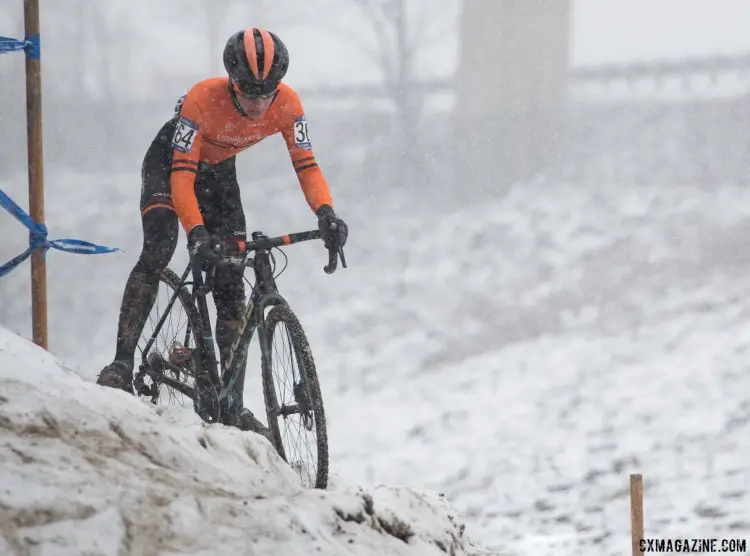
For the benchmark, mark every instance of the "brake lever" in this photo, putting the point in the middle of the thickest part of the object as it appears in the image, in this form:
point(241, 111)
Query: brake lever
point(198, 283)
point(333, 261)
point(334, 254)
point(204, 286)
point(210, 275)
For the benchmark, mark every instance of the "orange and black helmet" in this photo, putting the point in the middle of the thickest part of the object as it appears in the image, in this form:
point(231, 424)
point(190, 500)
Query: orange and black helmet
point(256, 61)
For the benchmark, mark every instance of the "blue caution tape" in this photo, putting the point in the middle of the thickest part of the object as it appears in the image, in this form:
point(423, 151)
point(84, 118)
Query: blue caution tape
point(32, 46)
point(38, 238)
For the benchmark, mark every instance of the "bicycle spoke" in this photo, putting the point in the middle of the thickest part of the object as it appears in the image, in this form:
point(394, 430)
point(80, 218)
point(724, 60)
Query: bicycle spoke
point(295, 434)
point(311, 459)
point(173, 331)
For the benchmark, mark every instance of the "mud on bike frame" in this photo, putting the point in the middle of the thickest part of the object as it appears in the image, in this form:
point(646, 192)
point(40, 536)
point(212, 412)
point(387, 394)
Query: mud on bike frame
point(264, 294)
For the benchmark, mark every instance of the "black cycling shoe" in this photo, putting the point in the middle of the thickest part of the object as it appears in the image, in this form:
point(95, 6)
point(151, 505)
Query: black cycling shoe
point(118, 374)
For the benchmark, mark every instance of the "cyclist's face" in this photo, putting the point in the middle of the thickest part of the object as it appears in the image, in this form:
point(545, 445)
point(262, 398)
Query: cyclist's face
point(254, 107)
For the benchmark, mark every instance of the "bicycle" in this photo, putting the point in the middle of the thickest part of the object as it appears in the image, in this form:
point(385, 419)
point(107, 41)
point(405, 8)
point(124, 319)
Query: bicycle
point(194, 371)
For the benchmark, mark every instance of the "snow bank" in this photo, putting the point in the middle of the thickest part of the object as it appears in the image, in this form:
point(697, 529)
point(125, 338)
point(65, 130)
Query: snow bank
point(88, 470)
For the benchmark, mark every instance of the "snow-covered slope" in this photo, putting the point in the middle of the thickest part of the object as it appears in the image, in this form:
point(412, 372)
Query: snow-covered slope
point(522, 356)
point(592, 333)
point(88, 470)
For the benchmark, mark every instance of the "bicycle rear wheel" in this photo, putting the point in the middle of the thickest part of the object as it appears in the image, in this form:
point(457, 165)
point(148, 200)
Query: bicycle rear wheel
point(292, 394)
point(175, 342)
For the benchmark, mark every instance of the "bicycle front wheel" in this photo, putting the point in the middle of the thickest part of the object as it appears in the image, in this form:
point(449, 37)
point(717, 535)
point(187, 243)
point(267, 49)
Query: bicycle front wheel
point(294, 404)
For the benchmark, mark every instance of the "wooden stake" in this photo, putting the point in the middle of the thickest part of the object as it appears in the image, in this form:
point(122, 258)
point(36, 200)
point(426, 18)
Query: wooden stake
point(636, 512)
point(36, 175)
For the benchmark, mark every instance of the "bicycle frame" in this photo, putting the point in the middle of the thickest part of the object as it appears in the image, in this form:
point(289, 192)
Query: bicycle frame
point(264, 294)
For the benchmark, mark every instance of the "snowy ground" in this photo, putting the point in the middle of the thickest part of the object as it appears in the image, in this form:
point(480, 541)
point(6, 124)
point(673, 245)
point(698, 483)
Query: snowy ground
point(596, 333)
point(86, 470)
point(523, 356)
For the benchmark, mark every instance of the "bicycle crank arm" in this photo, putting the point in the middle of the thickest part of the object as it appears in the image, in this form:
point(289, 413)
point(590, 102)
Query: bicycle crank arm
point(155, 369)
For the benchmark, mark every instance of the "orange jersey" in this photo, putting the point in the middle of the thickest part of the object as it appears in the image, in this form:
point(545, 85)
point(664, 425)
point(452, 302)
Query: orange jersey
point(210, 129)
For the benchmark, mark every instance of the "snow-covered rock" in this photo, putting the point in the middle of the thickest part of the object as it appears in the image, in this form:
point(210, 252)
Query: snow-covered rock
point(89, 470)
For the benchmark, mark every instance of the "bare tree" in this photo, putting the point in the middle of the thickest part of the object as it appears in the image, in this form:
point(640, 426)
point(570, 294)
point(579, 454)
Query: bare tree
point(398, 31)
point(396, 51)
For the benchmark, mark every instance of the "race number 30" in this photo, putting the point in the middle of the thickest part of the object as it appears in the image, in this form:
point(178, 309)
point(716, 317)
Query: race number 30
point(301, 136)
point(184, 135)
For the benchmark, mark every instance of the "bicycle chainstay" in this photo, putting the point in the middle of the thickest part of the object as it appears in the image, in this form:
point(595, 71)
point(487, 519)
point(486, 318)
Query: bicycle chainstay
point(206, 401)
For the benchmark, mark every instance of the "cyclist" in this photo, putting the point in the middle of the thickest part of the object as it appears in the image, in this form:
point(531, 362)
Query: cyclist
point(189, 179)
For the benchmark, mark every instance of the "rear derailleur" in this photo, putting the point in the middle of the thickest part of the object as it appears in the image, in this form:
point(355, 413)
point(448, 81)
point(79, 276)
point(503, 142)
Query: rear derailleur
point(179, 364)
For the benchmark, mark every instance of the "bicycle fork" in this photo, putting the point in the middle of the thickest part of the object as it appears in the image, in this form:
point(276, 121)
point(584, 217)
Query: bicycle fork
point(238, 353)
point(206, 399)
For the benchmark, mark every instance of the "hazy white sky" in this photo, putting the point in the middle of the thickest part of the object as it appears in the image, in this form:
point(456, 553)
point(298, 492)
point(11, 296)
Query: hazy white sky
point(613, 30)
point(602, 31)
point(326, 42)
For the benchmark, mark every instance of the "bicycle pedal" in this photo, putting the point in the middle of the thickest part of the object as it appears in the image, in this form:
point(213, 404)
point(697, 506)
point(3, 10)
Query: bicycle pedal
point(145, 391)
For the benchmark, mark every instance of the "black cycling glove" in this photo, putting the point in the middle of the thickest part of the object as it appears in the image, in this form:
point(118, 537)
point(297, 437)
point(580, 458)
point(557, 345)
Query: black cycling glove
point(203, 247)
point(333, 230)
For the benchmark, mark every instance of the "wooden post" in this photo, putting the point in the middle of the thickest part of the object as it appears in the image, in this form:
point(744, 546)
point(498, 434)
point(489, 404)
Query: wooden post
point(636, 511)
point(36, 175)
